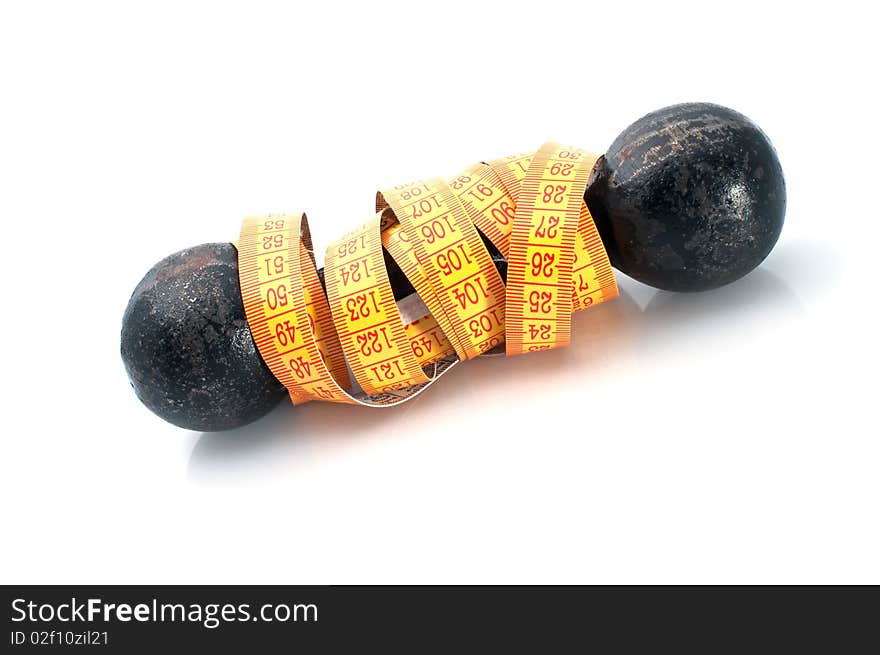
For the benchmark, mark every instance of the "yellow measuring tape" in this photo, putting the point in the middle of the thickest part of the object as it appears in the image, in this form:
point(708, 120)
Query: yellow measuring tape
point(529, 206)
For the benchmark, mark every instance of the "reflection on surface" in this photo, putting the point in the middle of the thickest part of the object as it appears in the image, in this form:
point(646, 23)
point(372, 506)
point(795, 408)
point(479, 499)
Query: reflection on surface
point(759, 302)
point(760, 290)
point(609, 337)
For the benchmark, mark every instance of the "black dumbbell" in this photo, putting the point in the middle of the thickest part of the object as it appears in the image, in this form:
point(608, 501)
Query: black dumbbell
point(687, 198)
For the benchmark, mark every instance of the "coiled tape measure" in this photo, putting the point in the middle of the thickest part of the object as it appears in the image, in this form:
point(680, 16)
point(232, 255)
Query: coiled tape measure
point(529, 206)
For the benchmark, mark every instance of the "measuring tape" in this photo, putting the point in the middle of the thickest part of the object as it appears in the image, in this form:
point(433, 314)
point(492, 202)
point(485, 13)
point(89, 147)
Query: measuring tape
point(529, 206)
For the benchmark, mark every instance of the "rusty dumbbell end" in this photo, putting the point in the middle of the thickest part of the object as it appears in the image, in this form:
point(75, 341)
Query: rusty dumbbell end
point(687, 198)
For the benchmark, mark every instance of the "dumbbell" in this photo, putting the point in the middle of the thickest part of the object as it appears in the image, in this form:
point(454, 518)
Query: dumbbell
point(687, 198)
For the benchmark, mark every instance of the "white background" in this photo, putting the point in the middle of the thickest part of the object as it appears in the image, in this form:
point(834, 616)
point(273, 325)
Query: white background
point(729, 436)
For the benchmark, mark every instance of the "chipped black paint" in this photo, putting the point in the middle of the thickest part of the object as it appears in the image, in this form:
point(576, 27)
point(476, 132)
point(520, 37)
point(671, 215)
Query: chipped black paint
point(688, 198)
point(187, 346)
